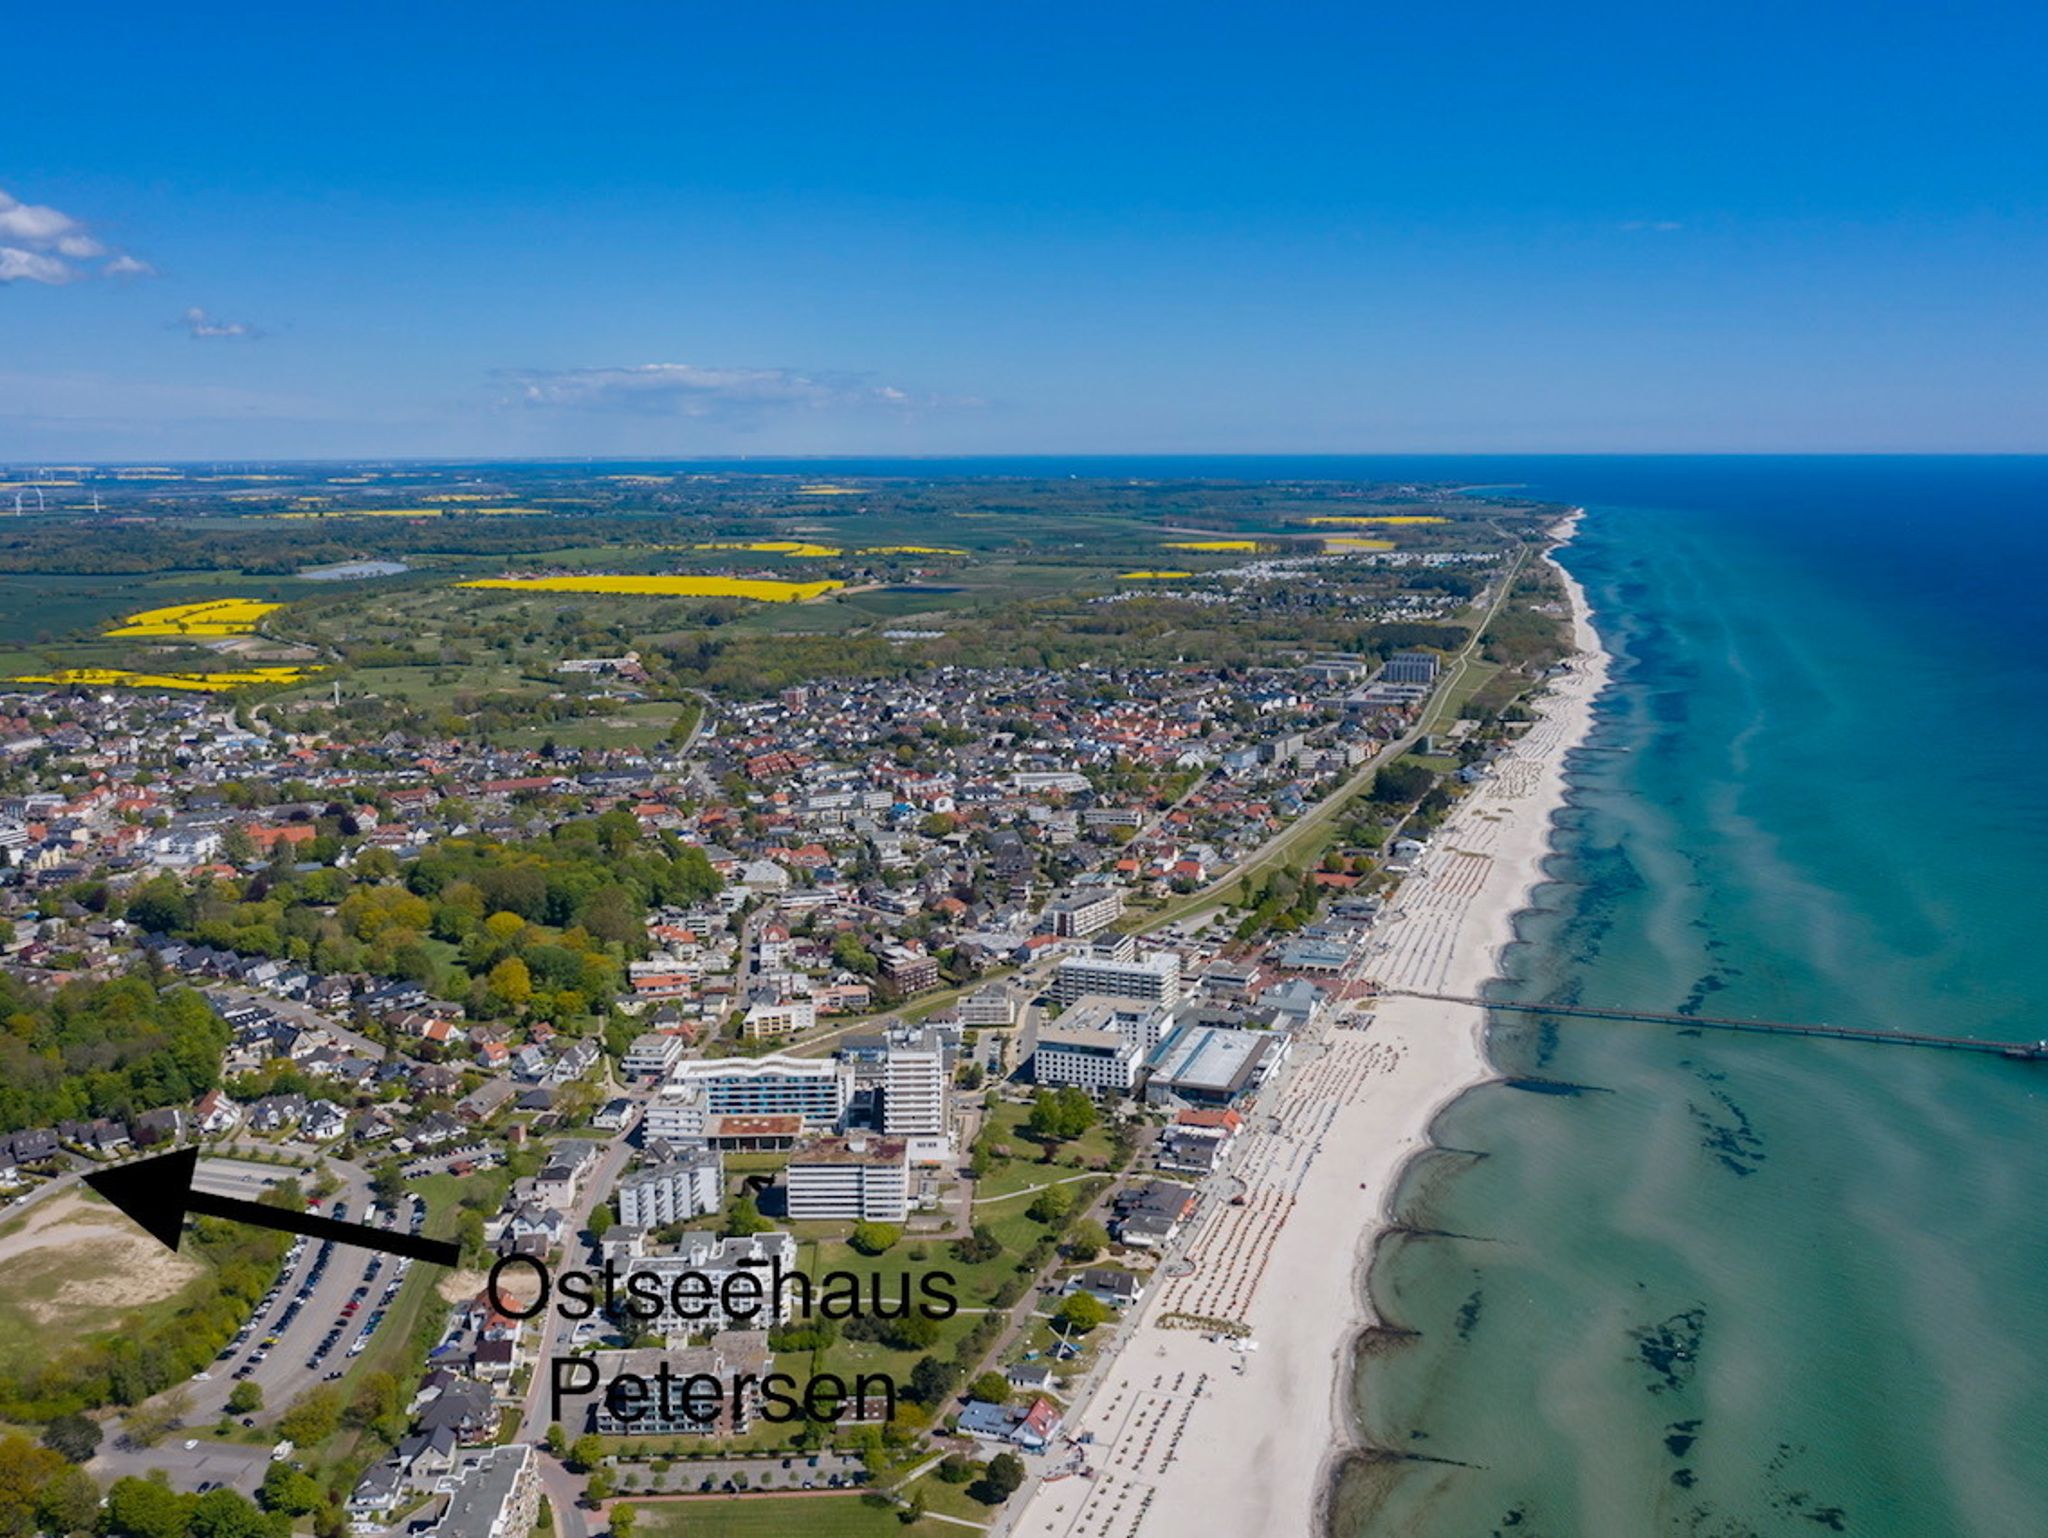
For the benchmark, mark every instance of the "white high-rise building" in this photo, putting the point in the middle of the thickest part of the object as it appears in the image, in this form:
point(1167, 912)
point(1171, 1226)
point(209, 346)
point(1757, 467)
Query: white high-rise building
point(914, 1098)
point(1155, 979)
point(686, 1188)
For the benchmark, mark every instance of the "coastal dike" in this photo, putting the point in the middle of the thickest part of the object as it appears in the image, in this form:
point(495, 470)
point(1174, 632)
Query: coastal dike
point(1190, 1430)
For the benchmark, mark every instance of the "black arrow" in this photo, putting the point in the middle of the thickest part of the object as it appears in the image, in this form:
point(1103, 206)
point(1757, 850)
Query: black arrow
point(157, 1193)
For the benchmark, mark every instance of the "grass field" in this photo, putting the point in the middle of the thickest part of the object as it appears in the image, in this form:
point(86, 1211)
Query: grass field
point(778, 1516)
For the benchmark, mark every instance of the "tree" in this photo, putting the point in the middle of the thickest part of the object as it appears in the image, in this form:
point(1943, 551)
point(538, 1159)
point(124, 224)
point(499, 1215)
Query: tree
point(600, 1221)
point(1058, 1115)
point(147, 1508)
point(557, 1439)
point(26, 1471)
point(586, 1453)
point(1086, 1240)
point(229, 1514)
point(597, 1486)
point(70, 1503)
point(1001, 1479)
point(150, 1423)
point(1049, 1206)
point(874, 1238)
point(510, 982)
point(743, 1219)
point(1082, 1312)
point(291, 1491)
point(75, 1437)
point(313, 1418)
point(930, 1381)
point(245, 1397)
point(991, 1387)
point(980, 1245)
point(622, 1521)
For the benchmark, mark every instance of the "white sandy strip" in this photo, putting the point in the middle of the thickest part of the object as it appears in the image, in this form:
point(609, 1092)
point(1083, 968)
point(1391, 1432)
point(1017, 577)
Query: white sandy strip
point(1190, 1435)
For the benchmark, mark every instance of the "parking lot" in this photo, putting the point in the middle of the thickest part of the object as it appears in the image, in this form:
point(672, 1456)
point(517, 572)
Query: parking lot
point(316, 1320)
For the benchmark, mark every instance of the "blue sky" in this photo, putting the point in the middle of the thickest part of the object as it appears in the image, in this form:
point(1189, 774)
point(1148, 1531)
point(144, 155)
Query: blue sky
point(680, 230)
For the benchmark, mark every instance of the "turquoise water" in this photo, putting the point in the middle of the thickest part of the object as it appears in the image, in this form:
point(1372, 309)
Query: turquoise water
point(1735, 1285)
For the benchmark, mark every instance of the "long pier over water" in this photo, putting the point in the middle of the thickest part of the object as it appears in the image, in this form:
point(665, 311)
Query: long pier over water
point(2023, 1051)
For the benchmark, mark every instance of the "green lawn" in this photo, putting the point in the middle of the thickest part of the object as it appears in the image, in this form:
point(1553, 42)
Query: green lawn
point(778, 1516)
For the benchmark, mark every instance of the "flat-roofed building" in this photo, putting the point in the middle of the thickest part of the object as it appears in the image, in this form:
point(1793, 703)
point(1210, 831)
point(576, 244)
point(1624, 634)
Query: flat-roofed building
point(815, 1088)
point(1080, 914)
point(857, 1177)
point(771, 1021)
point(1212, 1065)
point(652, 1054)
point(1410, 668)
point(688, 1186)
point(711, 1390)
point(915, 1100)
point(993, 1007)
point(691, 1294)
point(494, 1493)
point(1155, 978)
point(1094, 1058)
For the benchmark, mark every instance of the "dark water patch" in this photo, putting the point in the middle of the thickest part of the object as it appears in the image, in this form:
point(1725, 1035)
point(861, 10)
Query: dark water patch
point(1729, 1137)
point(1468, 1314)
point(1534, 1085)
point(1679, 1437)
point(1414, 1231)
point(1670, 1349)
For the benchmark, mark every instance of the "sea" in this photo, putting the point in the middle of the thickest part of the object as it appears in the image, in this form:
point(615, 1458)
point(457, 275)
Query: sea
point(1665, 1281)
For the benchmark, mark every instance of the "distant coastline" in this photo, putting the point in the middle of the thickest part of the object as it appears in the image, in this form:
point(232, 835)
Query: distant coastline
point(1263, 1434)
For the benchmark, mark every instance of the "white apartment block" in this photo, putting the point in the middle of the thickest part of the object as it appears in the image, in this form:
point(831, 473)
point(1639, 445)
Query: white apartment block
point(494, 1492)
point(815, 1088)
point(855, 1177)
point(1086, 1057)
point(914, 1094)
point(772, 1022)
point(1080, 914)
point(992, 1007)
point(652, 1054)
point(1155, 979)
point(688, 1187)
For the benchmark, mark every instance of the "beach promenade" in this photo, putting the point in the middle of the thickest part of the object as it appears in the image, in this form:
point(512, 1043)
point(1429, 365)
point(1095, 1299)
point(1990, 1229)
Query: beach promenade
point(1189, 1430)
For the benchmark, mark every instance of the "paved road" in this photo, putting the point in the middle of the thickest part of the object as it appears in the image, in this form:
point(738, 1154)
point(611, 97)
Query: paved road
point(597, 1186)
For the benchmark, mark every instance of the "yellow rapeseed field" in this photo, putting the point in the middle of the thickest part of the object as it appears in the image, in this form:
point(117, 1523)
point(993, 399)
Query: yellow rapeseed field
point(910, 550)
point(1358, 518)
point(201, 683)
point(1151, 576)
point(773, 547)
point(216, 616)
point(1212, 544)
point(1353, 542)
point(761, 589)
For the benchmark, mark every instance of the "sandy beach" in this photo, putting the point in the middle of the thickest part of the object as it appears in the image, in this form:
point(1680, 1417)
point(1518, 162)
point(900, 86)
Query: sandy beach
point(1190, 1432)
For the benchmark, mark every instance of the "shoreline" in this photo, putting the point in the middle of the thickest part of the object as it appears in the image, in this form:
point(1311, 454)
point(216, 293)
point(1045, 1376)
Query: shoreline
point(1186, 1430)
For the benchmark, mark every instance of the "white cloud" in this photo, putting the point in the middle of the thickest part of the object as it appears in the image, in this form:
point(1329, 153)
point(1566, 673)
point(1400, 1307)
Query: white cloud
point(695, 390)
point(39, 244)
point(1652, 226)
point(201, 325)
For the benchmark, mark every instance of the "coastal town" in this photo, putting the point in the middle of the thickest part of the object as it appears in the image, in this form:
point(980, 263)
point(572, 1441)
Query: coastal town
point(1081, 994)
